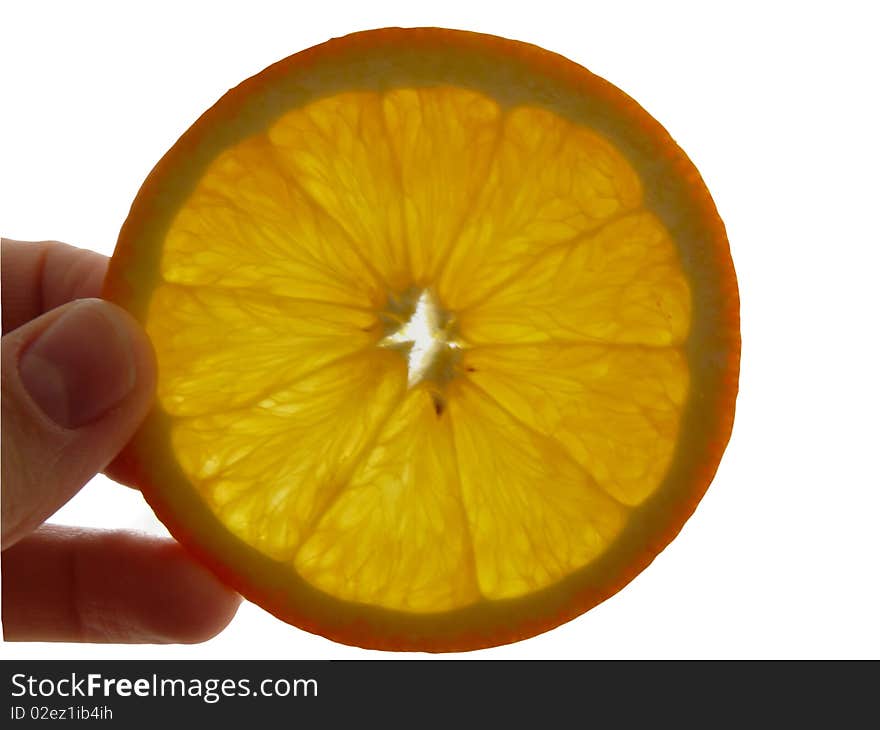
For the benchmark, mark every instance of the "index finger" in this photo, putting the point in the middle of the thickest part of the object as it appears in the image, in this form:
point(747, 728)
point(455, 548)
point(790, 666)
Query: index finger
point(40, 275)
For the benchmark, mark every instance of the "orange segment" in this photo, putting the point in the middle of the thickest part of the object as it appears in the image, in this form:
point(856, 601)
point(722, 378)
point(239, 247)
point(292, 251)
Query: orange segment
point(226, 348)
point(403, 504)
point(338, 151)
point(622, 284)
point(251, 209)
point(263, 490)
point(523, 538)
point(615, 410)
point(550, 182)
point(447, 339)
point(444, 140)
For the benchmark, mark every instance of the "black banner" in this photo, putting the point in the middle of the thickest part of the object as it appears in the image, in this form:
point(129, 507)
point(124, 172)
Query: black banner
point(408, 693)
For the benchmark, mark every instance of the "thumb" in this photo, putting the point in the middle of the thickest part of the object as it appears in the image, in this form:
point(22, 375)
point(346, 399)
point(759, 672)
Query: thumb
point(77, 382)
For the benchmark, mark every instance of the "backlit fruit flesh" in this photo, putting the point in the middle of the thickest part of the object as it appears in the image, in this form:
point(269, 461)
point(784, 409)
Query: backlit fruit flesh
point(447, 333)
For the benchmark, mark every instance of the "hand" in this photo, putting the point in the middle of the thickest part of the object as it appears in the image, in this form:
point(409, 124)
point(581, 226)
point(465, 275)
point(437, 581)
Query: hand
point(78, 378)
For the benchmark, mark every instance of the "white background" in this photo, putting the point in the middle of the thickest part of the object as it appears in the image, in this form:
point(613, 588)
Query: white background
point(777, 107)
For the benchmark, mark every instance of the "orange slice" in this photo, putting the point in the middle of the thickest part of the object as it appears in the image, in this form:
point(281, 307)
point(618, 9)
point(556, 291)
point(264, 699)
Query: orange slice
point(448, 339)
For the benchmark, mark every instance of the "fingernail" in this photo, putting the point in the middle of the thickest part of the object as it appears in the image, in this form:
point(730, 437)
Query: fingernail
point(81, 366)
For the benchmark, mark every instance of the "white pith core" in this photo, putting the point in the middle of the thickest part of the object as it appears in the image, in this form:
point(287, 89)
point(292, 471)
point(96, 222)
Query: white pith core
point(424, 339)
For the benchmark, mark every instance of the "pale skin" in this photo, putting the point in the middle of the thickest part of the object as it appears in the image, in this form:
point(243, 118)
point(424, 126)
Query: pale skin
point(78, 378)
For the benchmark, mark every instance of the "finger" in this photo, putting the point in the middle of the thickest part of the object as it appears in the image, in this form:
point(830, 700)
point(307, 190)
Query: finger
point(77, 382)
point(70, 584)
point(123, 469)
point(41, 275)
